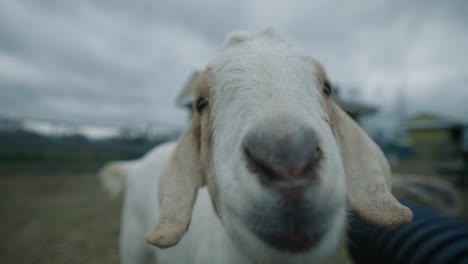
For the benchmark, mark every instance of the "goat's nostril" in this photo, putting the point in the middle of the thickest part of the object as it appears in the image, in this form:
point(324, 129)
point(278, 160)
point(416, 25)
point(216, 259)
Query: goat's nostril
point(318, 155)
point(258, 165)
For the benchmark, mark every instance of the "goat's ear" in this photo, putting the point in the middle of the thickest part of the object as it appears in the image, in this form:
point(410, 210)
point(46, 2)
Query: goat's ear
point(180, 180)
point(178, 185)
point(368, 175)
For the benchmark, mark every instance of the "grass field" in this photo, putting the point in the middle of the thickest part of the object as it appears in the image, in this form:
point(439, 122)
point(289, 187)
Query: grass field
point(57, 219)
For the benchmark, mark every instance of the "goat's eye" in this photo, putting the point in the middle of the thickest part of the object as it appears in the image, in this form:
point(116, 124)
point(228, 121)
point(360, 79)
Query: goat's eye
point(327, 90)
point(201, 103)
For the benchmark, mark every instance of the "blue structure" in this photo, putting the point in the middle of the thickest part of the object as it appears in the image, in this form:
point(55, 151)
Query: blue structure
point(430, 239)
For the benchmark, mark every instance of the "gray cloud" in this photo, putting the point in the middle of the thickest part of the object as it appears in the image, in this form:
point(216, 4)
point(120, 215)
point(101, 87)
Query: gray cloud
point(124, 62)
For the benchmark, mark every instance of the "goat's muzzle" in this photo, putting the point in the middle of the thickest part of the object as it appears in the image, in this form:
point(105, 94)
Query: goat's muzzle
point(283, 159)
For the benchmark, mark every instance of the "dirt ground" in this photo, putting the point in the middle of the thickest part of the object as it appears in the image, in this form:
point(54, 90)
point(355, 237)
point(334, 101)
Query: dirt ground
point(57, 219)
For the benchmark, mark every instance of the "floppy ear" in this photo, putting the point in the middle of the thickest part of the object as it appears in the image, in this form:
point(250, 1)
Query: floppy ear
point(368, 175)
point(183, 175)
point(178, 185)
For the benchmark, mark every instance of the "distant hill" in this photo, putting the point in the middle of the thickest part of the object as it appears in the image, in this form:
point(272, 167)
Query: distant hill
point(27, 151)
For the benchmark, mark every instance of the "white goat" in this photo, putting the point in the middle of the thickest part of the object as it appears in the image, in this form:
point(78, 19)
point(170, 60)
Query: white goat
point(281, 161)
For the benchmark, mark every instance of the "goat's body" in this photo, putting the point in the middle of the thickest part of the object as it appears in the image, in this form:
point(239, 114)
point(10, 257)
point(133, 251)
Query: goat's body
point(205, 241)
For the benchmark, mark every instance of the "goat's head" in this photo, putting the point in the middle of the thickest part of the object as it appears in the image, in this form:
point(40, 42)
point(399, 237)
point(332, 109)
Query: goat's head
point(281, 160)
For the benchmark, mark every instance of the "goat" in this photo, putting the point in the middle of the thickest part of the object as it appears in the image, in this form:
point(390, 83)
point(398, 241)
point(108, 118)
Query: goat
point(265, 172)
point(113, 176)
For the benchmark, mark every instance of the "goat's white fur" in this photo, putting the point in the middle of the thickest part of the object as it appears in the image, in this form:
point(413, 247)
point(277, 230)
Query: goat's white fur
point(268, 79)
point(113, 176)
point(260, 79)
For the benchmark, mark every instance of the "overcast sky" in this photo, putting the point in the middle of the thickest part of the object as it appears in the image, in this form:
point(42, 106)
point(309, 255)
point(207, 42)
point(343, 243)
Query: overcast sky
point(124, 62)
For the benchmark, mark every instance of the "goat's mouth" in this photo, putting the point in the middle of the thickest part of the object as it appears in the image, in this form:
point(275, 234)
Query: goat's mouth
point(290, 225)
point(291, 242)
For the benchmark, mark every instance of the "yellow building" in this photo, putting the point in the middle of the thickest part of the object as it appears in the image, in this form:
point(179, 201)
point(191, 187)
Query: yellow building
point(434, 137)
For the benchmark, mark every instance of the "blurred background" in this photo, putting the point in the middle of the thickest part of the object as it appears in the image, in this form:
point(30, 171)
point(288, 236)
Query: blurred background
point(86, 82)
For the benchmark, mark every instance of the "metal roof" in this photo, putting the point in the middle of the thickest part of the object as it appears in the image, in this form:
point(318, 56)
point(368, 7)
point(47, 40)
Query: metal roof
point(356, 108)
point(433, 125)
point(431, 122)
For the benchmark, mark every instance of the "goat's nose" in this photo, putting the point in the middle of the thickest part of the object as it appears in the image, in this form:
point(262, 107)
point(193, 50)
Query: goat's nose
point(283, 160)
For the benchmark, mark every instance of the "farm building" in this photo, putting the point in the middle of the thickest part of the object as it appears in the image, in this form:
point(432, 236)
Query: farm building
point(434, 137)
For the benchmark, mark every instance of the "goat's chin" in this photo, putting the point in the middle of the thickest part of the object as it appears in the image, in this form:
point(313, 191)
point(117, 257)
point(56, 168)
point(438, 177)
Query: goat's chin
point(289, 232)
point(292, 225)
